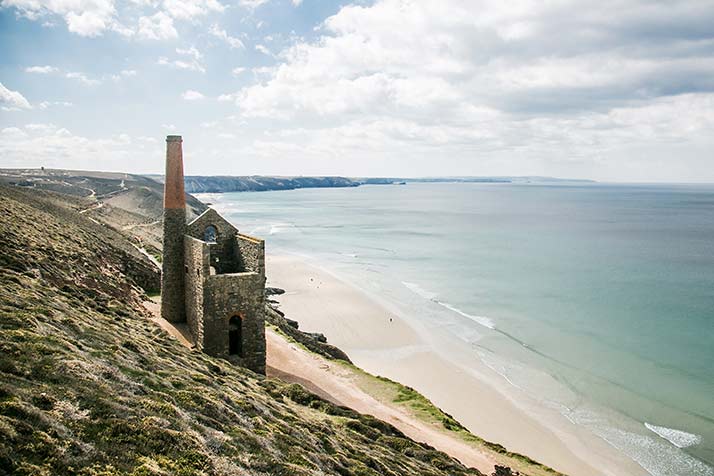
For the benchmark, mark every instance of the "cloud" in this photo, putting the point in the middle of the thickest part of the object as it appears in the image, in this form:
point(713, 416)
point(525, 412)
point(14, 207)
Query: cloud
point(191, 95)
point(491, 82)
point(192, 63)
point(188, 9)
point(12, 100)
point(81, 77)
point(85, 18)
point(192, 52)
point(49, 145)
point(228, 97)
point(159, 26)
point(252, 4)
point(47, 104)
point(232, 41)
point(263, 49)
point(41, 69)
point(237, 71)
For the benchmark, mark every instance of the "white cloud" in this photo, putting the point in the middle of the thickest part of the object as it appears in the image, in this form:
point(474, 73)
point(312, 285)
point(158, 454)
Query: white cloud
point(192, 52)
point(237, 71)
point(12, 133)
point(229, 97)
point(159, 26)
point(189, 9)
point(192, 63)
point(492, 82)
point(83, 17)
point(88, 23)
point(232, 41)
point(50, 145)
point(191, 95)
point(47, 104)
point(82, 78)
point(41, 69)
point(297, 3)
point(12, 100)
point(168, 127)
point(263, 49)
point(125, 73)
point(252, 4)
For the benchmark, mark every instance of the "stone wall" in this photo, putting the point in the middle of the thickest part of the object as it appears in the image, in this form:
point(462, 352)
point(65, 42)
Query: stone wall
point(224, 254)
point(196, 257)
point(251, 253)
point(229, 295)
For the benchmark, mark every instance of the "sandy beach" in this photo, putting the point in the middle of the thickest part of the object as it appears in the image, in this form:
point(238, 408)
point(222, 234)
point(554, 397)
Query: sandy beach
point(385, 343)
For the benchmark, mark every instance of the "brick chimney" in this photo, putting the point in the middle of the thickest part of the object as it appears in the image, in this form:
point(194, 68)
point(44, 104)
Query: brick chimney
point(173, 307)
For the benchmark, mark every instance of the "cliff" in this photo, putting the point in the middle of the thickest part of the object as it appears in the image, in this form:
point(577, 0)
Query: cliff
point(90, 386)
point(198, 184)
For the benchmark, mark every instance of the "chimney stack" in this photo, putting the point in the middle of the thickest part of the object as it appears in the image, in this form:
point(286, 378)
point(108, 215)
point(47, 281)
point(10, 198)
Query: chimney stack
point(173, 307)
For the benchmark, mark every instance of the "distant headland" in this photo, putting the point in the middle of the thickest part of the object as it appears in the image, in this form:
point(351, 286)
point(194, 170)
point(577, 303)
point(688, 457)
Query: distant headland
point(261, 183)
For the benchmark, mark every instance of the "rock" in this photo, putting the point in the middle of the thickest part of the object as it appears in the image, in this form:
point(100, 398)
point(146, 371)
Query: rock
point(318, 336)
point(292, 323)
point(274, 291)
point(504, 471)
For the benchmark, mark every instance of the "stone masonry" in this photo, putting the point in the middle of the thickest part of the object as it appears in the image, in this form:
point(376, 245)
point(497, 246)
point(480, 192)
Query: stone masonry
point(216, 282)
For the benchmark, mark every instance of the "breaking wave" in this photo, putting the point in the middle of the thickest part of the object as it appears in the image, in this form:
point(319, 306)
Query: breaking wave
point(679, 438)
point(482, 320)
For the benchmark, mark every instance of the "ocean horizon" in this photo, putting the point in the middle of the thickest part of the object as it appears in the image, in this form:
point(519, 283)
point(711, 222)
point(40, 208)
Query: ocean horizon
point(595, 299)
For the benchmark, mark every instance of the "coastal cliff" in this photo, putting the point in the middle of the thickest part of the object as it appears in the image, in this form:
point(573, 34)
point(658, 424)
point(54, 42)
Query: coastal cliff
point(91, 385)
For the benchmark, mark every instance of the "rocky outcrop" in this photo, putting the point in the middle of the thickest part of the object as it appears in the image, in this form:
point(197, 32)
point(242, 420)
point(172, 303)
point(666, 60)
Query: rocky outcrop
point(315, 342)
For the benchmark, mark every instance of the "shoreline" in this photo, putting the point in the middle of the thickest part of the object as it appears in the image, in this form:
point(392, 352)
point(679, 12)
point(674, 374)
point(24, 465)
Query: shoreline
point(383, 342)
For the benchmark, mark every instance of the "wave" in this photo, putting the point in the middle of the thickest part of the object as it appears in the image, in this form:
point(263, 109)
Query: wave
point(276, 228)
point(484, 321)
point(415, 288)
point(679, 438)
point(431, 296)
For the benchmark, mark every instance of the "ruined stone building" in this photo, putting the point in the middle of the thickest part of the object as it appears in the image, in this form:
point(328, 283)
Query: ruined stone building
point(213, 277)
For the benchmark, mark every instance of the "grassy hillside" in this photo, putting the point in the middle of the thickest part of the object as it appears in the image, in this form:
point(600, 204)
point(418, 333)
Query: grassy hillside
point(131, 204)
point(90, 386)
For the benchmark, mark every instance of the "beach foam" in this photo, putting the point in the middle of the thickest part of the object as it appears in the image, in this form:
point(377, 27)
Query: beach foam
point(679, 438)
point(484, 321)
point(416, 289)
point(431, 296)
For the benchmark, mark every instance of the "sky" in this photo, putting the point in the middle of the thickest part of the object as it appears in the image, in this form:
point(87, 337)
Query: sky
point(614, 90)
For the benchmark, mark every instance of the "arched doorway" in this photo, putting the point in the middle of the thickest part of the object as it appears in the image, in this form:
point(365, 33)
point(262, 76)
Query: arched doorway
point(235, 336)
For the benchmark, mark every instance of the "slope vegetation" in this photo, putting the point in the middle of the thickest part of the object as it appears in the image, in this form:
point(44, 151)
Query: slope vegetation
point(88, 385)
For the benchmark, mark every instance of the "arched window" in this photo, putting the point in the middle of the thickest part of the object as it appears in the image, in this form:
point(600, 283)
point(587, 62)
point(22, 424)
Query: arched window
point(235, 336)
point(210, 234)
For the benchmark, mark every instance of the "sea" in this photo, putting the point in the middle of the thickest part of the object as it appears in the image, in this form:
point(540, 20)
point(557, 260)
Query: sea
point(596, 299)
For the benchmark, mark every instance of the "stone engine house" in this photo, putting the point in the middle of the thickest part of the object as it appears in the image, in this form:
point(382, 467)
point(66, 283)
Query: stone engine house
point(213, 277)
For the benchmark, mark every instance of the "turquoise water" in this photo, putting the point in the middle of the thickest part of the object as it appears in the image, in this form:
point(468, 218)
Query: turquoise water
point(598, 299)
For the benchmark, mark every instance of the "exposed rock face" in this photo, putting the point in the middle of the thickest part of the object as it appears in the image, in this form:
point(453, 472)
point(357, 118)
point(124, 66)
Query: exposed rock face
point(198, 184)
point(504, 471)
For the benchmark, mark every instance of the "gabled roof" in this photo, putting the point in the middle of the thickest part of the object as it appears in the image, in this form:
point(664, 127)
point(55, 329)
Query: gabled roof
point(210, 217)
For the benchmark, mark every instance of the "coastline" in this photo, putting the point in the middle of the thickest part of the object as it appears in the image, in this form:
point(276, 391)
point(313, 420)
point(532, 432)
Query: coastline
point(383, 342)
